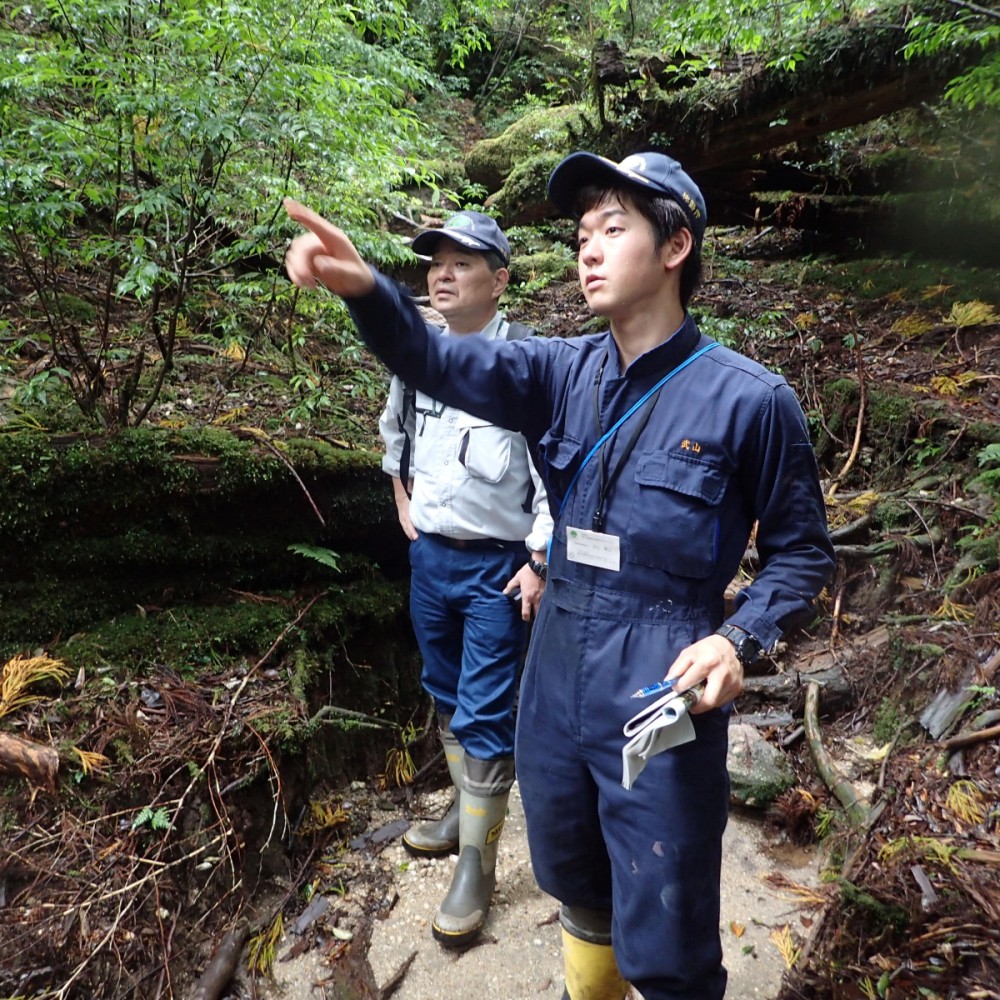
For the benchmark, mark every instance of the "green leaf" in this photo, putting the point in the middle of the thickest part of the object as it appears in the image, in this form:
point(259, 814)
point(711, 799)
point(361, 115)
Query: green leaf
point(327, 557)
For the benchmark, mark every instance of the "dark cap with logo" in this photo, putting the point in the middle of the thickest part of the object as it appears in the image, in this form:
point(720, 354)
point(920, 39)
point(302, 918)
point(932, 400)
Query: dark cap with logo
point(471, 230)
point(654, 173)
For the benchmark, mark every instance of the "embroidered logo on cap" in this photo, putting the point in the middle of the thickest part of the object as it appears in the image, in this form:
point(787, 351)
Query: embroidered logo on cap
point(635, 167)
point(459, 222)
point(691, 204)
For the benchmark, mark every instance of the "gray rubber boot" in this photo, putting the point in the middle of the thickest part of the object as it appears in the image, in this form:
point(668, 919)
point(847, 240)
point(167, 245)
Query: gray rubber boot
point(440, 837)
point(485, 791)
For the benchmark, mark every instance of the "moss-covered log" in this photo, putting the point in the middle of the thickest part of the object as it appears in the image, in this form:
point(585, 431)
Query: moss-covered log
point(90, 527)
point(849, 74)
point(723, 126)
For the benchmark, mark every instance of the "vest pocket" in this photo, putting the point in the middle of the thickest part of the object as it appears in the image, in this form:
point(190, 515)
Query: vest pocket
point(674, 521)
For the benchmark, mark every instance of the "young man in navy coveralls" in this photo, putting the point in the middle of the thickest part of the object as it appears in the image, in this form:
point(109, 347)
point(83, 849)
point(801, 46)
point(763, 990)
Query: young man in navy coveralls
point(651, 522)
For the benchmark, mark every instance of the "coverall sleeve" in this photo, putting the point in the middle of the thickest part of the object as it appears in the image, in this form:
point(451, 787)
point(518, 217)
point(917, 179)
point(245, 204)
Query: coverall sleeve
point(394, 428)
point(793, 541)
point(499, 381)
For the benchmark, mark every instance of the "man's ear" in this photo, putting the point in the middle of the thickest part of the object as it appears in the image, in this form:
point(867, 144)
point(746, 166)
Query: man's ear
point(500, 278)
point(677, 249)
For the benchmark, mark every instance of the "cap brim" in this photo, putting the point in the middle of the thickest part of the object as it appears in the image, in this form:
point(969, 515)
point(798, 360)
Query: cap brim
point(580, 170)
point(425, 242)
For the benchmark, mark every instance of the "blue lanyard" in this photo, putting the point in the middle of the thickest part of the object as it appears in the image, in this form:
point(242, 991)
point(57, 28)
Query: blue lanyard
point(637, 406)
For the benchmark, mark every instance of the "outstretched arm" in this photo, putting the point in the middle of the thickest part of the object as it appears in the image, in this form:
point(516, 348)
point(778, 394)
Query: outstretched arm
point(501, 382)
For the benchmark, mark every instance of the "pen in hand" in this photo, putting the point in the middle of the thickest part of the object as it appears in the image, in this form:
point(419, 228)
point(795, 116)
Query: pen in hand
point(658, 688)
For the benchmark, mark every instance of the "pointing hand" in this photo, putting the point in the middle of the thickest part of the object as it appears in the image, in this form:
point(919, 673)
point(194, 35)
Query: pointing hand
point(325, 255)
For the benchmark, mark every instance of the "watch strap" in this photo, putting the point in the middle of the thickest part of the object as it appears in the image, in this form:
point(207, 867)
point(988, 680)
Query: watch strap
point(540, 569)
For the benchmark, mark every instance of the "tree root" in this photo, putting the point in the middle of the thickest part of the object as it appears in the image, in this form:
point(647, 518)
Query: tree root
point(857, 811)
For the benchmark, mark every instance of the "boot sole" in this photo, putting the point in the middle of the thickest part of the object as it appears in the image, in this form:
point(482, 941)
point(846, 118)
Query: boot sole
point(456, 939)
point(429, 852)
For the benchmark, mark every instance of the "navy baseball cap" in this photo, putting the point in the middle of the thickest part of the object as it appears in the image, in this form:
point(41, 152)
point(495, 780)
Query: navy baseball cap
point(472, 230)
point(654, 173)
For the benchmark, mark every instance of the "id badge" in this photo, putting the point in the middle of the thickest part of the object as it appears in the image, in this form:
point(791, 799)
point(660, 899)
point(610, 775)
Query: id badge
point(593, 548)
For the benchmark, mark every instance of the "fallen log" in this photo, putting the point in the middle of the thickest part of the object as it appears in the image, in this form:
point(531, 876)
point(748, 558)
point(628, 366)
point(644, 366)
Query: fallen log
point(851, 73)
point(792, 688)
point(34, 761)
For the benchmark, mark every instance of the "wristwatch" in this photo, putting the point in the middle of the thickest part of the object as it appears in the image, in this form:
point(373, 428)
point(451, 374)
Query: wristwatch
point(747, 647)
point(540, 569)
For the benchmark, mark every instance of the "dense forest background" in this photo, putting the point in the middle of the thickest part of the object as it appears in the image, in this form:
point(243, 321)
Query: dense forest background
point(202, 589)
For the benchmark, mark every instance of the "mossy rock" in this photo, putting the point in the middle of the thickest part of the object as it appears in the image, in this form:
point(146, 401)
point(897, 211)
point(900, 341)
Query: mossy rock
point(538, 270)
point(557, 131)
point(523, 199)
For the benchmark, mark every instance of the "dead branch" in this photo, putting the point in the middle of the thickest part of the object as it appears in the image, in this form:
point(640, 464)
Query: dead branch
point(976, 854)
point(846, 531)
point(222, 966)
point(857, 812)
point(969, 738)
point(38, 763)
point(856, 447)
point(396, 979)
point(258, 435)
point(887, 545)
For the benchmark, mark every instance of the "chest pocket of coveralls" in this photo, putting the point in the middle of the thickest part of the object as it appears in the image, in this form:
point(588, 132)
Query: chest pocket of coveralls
point(560, 458)
point(674, 522)
point(483, 449)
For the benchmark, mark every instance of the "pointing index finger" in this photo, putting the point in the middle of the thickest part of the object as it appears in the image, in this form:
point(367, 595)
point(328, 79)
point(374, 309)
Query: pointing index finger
point(329, 234)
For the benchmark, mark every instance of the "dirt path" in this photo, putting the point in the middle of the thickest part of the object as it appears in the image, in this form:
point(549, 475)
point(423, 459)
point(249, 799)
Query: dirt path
point(519, 957)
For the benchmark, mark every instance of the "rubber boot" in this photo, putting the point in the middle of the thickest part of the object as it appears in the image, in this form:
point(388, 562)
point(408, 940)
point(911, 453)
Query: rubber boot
point(485, 790)
point(440, 837)
point(591, 970)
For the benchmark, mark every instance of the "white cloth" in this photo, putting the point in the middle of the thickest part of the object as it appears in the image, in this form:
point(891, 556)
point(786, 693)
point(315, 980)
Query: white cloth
point(471, 479)
point(663, 724)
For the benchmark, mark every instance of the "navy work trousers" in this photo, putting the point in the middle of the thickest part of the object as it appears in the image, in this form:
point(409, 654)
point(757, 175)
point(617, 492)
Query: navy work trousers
point(471, 638)
point(651, 855)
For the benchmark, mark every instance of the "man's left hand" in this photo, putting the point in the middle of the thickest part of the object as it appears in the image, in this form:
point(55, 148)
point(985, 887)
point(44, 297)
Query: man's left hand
point(712, 660)
point(532, 588)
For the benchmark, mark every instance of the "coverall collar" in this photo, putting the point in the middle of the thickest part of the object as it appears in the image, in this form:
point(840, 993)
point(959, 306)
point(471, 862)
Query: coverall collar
point(661, 358)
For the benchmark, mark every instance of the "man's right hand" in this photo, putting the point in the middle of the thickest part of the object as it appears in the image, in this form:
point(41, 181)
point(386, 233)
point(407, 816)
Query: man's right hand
point(402, 499)
point(325, 254)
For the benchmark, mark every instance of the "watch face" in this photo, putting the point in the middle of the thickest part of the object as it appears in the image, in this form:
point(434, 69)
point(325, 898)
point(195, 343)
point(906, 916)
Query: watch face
point(748, 649)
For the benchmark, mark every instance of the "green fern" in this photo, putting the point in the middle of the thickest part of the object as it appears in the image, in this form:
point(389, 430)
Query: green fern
point(155, 819)
point(326, 557)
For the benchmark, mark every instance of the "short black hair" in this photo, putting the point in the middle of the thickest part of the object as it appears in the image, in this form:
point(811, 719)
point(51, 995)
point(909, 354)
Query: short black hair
point(664, 215)
point(495, 261)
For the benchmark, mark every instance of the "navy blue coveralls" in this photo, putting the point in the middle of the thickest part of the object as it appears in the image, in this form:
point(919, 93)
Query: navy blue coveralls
point(724, 444)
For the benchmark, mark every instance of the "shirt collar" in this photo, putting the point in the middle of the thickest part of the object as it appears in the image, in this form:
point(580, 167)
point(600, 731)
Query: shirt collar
point(490, 331)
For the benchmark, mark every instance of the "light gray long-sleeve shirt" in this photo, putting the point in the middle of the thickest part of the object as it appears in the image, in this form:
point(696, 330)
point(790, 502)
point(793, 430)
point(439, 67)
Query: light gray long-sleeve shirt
point(471, 479)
